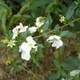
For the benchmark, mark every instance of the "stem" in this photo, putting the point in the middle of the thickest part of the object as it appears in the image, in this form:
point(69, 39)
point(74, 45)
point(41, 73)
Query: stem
point(51, 31)
point(29, 71)
point(68, 24)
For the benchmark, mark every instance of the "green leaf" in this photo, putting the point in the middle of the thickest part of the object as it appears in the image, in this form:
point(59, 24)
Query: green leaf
point(52, 76)
point(71, 24)
point(71, 64)
point(44, 34)
point(25, 7)
point(67, 34)
point(47, 22)
point(4, 8)
point(40, 45)
point(39, 3)
point(77, 12)
point(71, 10)
point(57, 64)
point(56, 28)
point(5, 12)
point(36, 57)
point(49, 7)
point(16, 18)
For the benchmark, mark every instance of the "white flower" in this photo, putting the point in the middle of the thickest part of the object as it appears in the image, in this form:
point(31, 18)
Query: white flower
point(15, 32)
point(11, 43)
point(32, 29)
point(31, 43)
point(74, 72)
point(39, 21)
point(51, 38)
point(25, 49)
point(55, 40)
point(18, 29)
point(22, 28)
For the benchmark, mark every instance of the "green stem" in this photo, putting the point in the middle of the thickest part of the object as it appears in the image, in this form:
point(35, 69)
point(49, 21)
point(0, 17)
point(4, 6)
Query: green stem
point(51, 31)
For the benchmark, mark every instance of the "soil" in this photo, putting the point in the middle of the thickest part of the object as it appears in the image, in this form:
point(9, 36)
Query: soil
point(46, 65)
point(41, 72)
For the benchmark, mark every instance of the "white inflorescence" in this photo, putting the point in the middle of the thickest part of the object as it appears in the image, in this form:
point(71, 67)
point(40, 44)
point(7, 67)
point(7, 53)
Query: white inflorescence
point(26, 47)
point(55, 40)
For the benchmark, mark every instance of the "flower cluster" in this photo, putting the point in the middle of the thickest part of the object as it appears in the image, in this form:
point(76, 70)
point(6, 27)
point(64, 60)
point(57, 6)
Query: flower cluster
point(26, 46)
point(20, 28)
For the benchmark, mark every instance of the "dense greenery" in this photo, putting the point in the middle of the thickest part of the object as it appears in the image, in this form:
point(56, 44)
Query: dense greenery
point(62, 18)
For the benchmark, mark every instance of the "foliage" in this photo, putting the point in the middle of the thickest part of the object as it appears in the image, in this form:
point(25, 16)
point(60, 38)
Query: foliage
point(49, 17)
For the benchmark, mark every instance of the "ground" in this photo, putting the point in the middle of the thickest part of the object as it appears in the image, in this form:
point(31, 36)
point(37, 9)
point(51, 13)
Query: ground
point(46, 65)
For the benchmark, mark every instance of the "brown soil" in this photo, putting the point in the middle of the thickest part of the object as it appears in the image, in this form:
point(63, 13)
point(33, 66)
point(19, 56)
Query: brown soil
point(40, 73)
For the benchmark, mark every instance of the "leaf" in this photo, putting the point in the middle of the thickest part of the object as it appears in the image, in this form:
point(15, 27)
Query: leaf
point(4, 8)
point(40, 45)
point(17, 17)
point(38, 3)
point(71, 64)
point(52, 76)
point(71, 24)
point(44, 34)
point(36, 57)
point(71, 10)
point(77, 12)
point(5, 12)
point(49, 7)
point(57, 64)
point(67, 34)
point(47, 23)
point(25, 7)
point(3, 22)
point(56, 28)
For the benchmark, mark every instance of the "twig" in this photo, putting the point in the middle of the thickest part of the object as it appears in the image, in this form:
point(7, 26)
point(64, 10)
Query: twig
point(51, 31)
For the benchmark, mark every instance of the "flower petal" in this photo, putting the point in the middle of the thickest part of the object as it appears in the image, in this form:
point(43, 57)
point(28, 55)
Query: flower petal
point(53, 38)
point(23, 29)
point(57, 44)
point(32, 29)
point(30, 40)
point(39, 21)
point(25, 56)
point(25, 49)
point(15, 33)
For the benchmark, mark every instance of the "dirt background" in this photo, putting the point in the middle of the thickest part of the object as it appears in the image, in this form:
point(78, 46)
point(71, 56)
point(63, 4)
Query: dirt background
point(46, 64)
